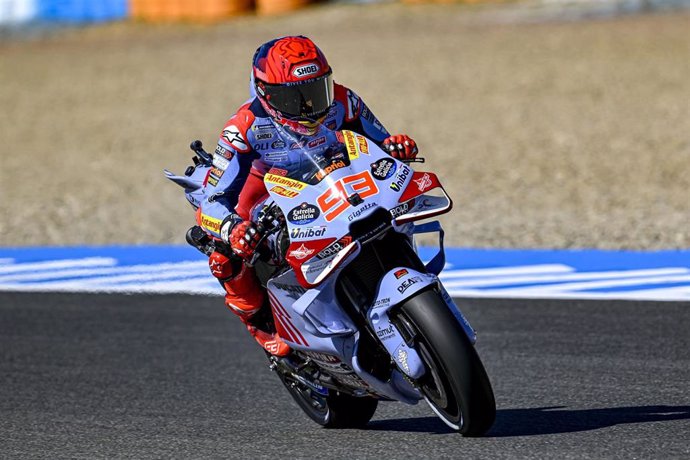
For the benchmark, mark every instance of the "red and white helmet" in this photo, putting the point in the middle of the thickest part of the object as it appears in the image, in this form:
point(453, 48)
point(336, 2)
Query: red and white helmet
point(293, 81)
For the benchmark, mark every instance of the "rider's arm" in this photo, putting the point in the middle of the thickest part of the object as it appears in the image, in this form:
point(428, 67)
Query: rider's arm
point(358, 117)
point(232, 161)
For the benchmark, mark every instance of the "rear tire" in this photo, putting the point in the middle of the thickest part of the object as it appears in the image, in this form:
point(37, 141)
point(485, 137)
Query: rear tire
point(337, 410)
point(455, 385)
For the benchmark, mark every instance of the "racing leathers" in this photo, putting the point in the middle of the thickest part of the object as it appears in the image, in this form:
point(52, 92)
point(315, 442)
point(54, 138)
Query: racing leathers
point(249, 144)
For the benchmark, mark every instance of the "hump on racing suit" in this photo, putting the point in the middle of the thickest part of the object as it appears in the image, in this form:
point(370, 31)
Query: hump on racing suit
point(232, 186)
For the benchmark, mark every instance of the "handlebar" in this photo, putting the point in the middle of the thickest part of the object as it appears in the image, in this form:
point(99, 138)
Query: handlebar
point(198, 147)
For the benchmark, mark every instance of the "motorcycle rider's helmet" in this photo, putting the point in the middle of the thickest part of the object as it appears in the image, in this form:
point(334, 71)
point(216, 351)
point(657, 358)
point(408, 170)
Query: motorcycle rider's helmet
point(293, 81)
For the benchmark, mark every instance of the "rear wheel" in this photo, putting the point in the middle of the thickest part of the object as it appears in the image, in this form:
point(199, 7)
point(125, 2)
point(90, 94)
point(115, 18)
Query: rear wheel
point(455, 385)
point(335, 410)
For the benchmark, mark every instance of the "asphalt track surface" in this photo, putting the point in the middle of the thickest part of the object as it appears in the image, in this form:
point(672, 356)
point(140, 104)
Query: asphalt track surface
point(96, 376)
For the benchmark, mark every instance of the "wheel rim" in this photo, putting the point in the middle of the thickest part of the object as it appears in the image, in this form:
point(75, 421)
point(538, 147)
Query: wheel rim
point(317, 402)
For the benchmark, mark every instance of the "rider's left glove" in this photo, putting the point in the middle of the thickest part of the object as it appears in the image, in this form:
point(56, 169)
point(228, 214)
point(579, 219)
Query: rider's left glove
point(245, 238)
point(401, 146)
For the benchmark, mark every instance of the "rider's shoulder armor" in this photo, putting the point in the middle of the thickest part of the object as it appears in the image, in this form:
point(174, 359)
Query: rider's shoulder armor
point(347, 101)
point(236, 130)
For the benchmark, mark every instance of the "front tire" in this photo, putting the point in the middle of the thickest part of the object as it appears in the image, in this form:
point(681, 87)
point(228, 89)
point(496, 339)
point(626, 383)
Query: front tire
point(455, 385)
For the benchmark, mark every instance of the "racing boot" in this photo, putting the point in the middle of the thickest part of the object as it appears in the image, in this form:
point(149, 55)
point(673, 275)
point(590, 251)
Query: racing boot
point(245, 298)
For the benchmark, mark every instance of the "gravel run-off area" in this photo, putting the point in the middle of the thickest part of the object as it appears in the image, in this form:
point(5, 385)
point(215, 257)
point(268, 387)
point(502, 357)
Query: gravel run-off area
point(553, 134)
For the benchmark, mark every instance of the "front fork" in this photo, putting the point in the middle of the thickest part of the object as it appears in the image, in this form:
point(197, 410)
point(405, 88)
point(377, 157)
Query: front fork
point(400, 284)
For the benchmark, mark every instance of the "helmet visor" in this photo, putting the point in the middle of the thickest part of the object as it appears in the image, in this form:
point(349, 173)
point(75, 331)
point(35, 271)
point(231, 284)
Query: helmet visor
point(310, 99)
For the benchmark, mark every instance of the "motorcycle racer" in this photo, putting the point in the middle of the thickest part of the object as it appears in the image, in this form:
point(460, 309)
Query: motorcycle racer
point(292, 91)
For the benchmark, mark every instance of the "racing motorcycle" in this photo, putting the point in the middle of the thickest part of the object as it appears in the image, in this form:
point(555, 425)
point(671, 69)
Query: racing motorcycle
point(366, 319)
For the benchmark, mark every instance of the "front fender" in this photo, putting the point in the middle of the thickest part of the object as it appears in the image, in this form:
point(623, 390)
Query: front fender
point(396, 286)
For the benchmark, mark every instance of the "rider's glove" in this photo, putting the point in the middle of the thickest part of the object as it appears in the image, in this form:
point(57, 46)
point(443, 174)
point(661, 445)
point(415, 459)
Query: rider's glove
point(245, 238)
point(400, 146)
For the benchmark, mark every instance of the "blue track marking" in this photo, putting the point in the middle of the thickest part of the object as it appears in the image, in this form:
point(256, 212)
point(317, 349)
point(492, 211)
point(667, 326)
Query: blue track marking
point(493, 273)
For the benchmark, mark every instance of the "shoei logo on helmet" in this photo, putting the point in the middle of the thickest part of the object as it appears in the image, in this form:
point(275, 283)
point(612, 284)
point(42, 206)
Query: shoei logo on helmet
point(304, 71)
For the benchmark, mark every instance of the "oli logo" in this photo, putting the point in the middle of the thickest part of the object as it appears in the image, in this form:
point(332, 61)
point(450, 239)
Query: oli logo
point(305, 70)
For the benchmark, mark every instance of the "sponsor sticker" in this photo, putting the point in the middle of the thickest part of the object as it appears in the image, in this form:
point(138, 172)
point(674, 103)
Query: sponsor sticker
point(279, 144)
point(275, 156)
point(334, 248)
point(210, 223)
point(277, 171)
point(362, 144)
point(263, 136)
point(220, 162)
point(423, 182)
point(282, 191)
point(402, 208)
point(303, 214)
point(316, 142)
point(361, 210)
point(382, 302)
point(232, 136)
point(400, 179)
point(309, 232)
point(329, 169)
point(402, 359)
point(405, 285)
point(383, 169)
point(284, 181)
point(386, 333)
point(301, 252)
point(222, 151)
point(305, 71)
point(351, 144)
point(400, 273)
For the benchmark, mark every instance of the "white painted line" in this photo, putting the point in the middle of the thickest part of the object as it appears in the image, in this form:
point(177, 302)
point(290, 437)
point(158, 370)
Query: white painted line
point(506, 271)
point(201, 266)
point(206, 286)
point(58, 264)
point(670, 295)
point(180, 276)
point(565, 287)
point(506, 281)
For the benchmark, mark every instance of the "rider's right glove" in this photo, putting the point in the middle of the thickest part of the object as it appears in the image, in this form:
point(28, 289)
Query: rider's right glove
point(244, 238)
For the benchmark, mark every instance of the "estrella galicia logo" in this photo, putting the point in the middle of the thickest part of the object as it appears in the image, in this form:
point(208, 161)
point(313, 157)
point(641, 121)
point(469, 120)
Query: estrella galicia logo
point(303, 214)
point(383, 169)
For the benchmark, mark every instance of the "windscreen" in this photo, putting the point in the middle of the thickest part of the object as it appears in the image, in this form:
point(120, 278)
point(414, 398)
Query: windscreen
point(312, 158)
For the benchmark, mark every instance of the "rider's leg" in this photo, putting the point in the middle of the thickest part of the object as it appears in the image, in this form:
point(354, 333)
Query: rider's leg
point(252, 192)
point(245, 298)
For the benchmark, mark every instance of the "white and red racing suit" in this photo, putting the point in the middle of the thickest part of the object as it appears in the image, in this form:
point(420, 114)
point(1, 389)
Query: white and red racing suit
point(249, 143)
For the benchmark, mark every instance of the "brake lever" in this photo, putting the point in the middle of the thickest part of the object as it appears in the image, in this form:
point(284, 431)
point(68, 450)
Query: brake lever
point(414, 160)
point(267, 220)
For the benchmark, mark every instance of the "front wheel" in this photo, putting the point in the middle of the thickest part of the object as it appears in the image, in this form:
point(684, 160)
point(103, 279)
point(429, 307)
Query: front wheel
point(334, 410)
point(455, 385)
